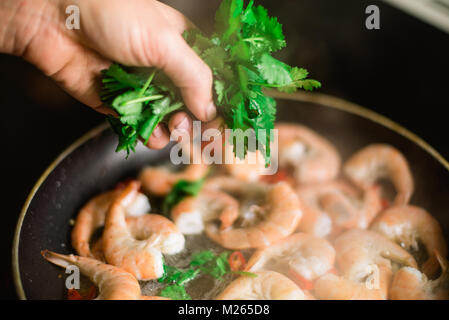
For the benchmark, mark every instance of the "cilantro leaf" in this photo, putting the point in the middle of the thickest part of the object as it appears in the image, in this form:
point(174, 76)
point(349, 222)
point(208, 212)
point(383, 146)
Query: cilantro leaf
point(175, 292)
point(274, 71)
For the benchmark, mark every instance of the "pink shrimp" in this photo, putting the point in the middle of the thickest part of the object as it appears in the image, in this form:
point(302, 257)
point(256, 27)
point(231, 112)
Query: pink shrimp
point(410, 225)
point(142, 258)
point(332, 207)
point(259, 224)
point(310, 156)
point(191, 214)
point(410, 284)
point(308, 256)
point(266, 285)
point(381, 161)
point(91, 217)
point(160, 180)
point(113, 283)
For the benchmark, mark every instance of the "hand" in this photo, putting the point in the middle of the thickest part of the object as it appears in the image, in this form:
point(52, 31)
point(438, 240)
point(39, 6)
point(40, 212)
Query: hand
point(131, 32)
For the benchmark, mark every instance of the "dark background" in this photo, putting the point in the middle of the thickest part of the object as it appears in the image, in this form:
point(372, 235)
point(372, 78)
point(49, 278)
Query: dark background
point(400, 71)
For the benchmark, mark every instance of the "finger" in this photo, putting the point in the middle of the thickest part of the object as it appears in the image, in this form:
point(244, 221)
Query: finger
point(180, 121)
point(189, 73)
point(159, 138)
point(177, 20)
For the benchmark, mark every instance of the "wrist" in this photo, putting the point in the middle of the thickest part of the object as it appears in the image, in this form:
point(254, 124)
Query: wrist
point(22, 20)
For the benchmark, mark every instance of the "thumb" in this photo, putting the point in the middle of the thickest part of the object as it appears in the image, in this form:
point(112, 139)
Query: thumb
point(188, 72)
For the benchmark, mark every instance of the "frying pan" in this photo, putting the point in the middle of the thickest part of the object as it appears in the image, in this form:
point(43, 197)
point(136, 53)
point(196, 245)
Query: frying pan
point(90, 166)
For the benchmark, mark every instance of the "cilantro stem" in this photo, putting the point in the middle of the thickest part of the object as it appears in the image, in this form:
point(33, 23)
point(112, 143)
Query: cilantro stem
point(254, 39)
point(265, 84)
point(174, 107)
point(143, 99)
point(147, 84)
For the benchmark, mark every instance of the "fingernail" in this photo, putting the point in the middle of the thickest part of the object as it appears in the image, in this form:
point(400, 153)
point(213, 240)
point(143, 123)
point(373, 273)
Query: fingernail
point(157, 132)
point(183, 125)
point(211, 111)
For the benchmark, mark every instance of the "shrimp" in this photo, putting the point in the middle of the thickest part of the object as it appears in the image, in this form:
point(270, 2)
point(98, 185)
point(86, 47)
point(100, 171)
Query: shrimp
point(305, 255)
point(333, 287)
point(410, 284)
point(310, 156)
point(381, 161)
point(91, 217)
point(113, 283)
point(160, 180)
point(365, 260)
point(409, 226)
point(266, 285)
point(142, 258)
point(267, 214)
point(248, 169)
point(333, 207)
point(192, 213)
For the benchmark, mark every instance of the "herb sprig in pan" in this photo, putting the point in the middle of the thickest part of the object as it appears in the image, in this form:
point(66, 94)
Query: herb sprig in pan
point(239, 53)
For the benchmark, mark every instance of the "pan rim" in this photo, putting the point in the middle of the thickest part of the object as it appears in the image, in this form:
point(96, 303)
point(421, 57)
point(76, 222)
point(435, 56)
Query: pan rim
point(317, 98)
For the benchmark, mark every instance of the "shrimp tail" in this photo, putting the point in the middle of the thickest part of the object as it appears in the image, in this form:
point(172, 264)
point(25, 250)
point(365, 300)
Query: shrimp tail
point(58, 259)
point(432, 266)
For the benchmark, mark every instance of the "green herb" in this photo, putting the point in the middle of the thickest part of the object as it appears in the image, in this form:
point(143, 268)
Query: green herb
point(239, 53)
point(177, 276)
point(203, 262)
point(175, 292)
point(179, 191)
point(245, 273)
point(209, 263)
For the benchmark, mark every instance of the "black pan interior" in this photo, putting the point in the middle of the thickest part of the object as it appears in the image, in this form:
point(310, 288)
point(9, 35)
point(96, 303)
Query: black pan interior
point(94, 167)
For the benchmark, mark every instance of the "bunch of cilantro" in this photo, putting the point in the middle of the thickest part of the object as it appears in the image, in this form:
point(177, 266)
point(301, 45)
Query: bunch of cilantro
point(239, 52)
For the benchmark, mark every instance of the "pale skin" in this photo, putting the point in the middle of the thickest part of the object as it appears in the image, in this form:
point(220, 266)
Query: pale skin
point(133, 32)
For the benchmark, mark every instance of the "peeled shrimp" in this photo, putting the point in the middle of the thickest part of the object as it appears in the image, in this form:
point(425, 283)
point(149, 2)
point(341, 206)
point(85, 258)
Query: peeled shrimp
point(92, 216)
point(410, 225)
point(160, 180)
point(410, 284)
point(312, 158)
point(112, 282)
point(365, 260)
point(381, 161)
point(306, 255)
point(333, 287)
point(332, 207)
point(267, 214)
point(143, 258)
point(191, 214)
point(248, 169)
point(267, 285)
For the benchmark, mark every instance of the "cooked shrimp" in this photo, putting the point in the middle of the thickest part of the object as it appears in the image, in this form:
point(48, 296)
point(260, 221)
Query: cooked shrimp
point(160, 180)
point(332, 207)
point(248, 169)
point(308, 256)
point(333, 287)
point(365, 260)
point(142, 258)
point(267, 214)
point(356, 249)
point(410, 284)
point(381, 161)
point(192, 213)
point(409, 226)
point(92, 216)
point(112, 282)
point(310, 156)
point(267, 285)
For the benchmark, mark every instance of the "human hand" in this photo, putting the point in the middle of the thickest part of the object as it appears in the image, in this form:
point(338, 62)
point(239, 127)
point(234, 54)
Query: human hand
point(132, 32)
